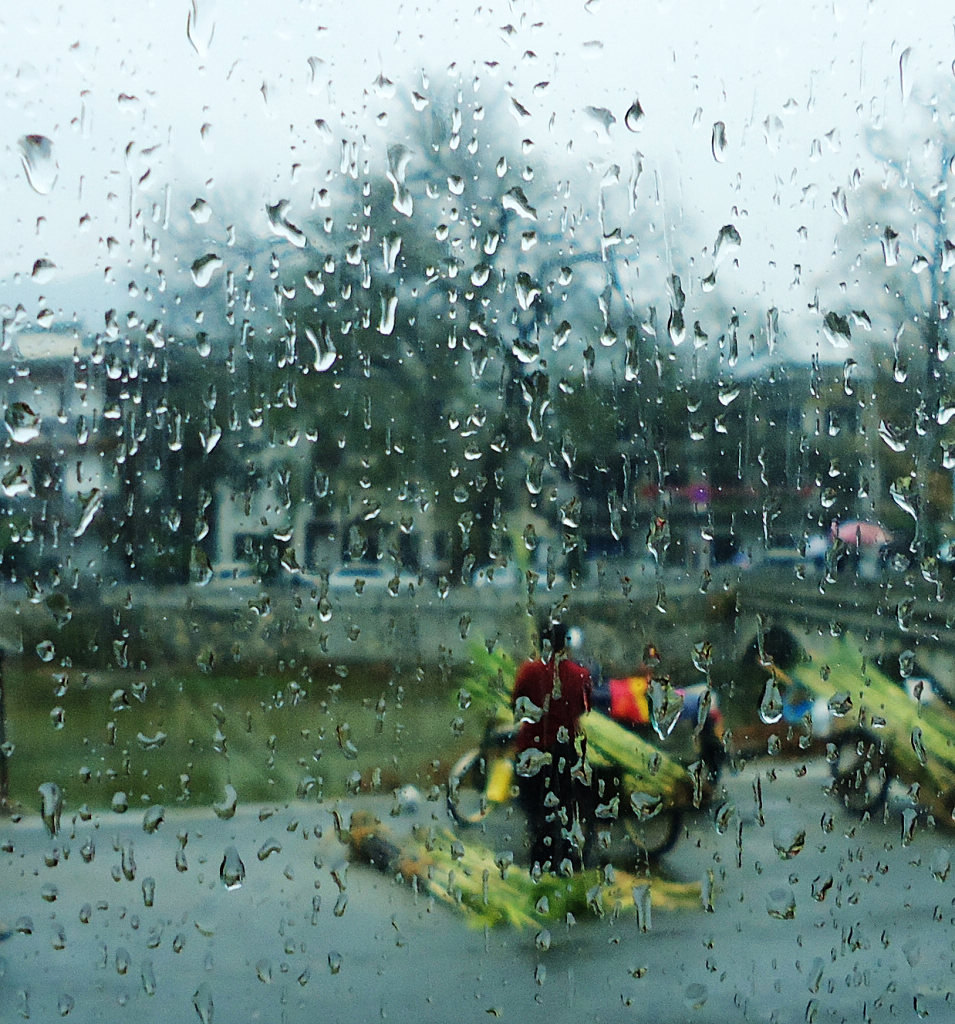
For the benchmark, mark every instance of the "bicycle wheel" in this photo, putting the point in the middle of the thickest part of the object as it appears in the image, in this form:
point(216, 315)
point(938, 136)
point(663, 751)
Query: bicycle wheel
point(861, 772)
point(654, 836)
point(467, 788)
point(626, 839)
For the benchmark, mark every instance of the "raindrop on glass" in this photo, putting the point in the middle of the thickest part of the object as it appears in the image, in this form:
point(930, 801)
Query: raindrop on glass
point(23, 424)
point(39, 164)
point(232, 870)
point(718, 142)
point(204, 268)
point(225, 809)
point(51, 806)
point(633, 119)
point(202, 1001)
point(771, 705)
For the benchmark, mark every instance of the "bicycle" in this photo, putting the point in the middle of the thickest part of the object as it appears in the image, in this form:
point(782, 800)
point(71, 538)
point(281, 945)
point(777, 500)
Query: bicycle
point(628, 828)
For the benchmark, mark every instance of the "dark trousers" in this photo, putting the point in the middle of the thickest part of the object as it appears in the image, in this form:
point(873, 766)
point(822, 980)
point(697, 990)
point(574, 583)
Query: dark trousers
point(550, 801)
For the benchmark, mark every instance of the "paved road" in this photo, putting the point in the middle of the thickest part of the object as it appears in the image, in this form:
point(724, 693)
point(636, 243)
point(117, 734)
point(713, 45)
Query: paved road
point(856, 925)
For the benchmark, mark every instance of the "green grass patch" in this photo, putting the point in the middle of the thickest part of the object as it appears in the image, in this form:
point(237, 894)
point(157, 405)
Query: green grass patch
point(185, 737)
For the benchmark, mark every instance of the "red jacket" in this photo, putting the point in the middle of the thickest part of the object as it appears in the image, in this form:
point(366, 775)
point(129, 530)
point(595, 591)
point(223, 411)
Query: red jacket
point(535, 681)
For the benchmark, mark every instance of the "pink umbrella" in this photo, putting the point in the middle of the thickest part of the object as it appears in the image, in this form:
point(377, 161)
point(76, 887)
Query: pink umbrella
point(862, 532)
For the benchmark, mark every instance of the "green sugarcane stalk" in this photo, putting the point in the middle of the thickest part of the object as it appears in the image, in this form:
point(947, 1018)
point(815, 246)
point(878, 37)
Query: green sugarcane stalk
point(476, 881)
point(919, 738)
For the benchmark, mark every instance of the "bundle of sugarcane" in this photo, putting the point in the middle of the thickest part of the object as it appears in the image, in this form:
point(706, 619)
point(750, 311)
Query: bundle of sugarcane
point(919, 737)
point(487, 887)
point(643, 768)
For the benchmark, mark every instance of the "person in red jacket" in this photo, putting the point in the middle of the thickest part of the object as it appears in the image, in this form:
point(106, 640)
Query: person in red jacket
point(550, 695)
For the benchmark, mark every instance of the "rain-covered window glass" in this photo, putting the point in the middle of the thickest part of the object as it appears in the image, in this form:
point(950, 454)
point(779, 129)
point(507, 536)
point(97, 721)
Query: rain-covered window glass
point(476, 511)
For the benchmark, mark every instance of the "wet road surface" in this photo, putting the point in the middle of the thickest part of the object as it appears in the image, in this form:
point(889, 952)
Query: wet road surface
point(812, 916)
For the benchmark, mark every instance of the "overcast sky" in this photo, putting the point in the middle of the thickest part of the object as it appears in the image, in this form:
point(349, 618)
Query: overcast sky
point(152, 103)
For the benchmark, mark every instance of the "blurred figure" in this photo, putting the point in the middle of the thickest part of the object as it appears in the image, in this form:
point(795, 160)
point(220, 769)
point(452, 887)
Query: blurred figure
point(550, 695)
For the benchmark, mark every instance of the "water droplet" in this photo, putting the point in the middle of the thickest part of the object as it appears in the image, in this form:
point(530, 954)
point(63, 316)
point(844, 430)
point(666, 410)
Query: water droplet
point(204, 268)
point(893, 436)
point(17, 482)
point(230, 798)
point(718, 142)
point(658, 538)
point(201, 211)
point(153, 818)
point(148, 977)
point(891, 247)
point(43, 271)
point(59, 608)
point(202, 1001)
point(781, 904)
point(526, 350)
point(918, 746)
point(399, 157)
point(676, 327)
point(282, 226)
point(45, 650)
point(910, 820)
point(270, 846)
point(527, 290)
point(695, 996)
point(821, 885)
point(128, 861)
point(325, 352)
point(837, 330)
point(603, 118)
point(39, 164)
point(90, 503)
point(633, 118)
point(789, 841)
point(561, 335)
point(389, 307)
point(646, 805)
point(905, 495)
point(771, 704)
point(840, 704)
point(345, 742)
point(23, 424)
point(727, 240)
point(905, 82)
point(51, 806)
point(723, 817)
point(390, 248)
point(515, 200)
point(232, 870)
point(149, 891)
point(666, 703)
